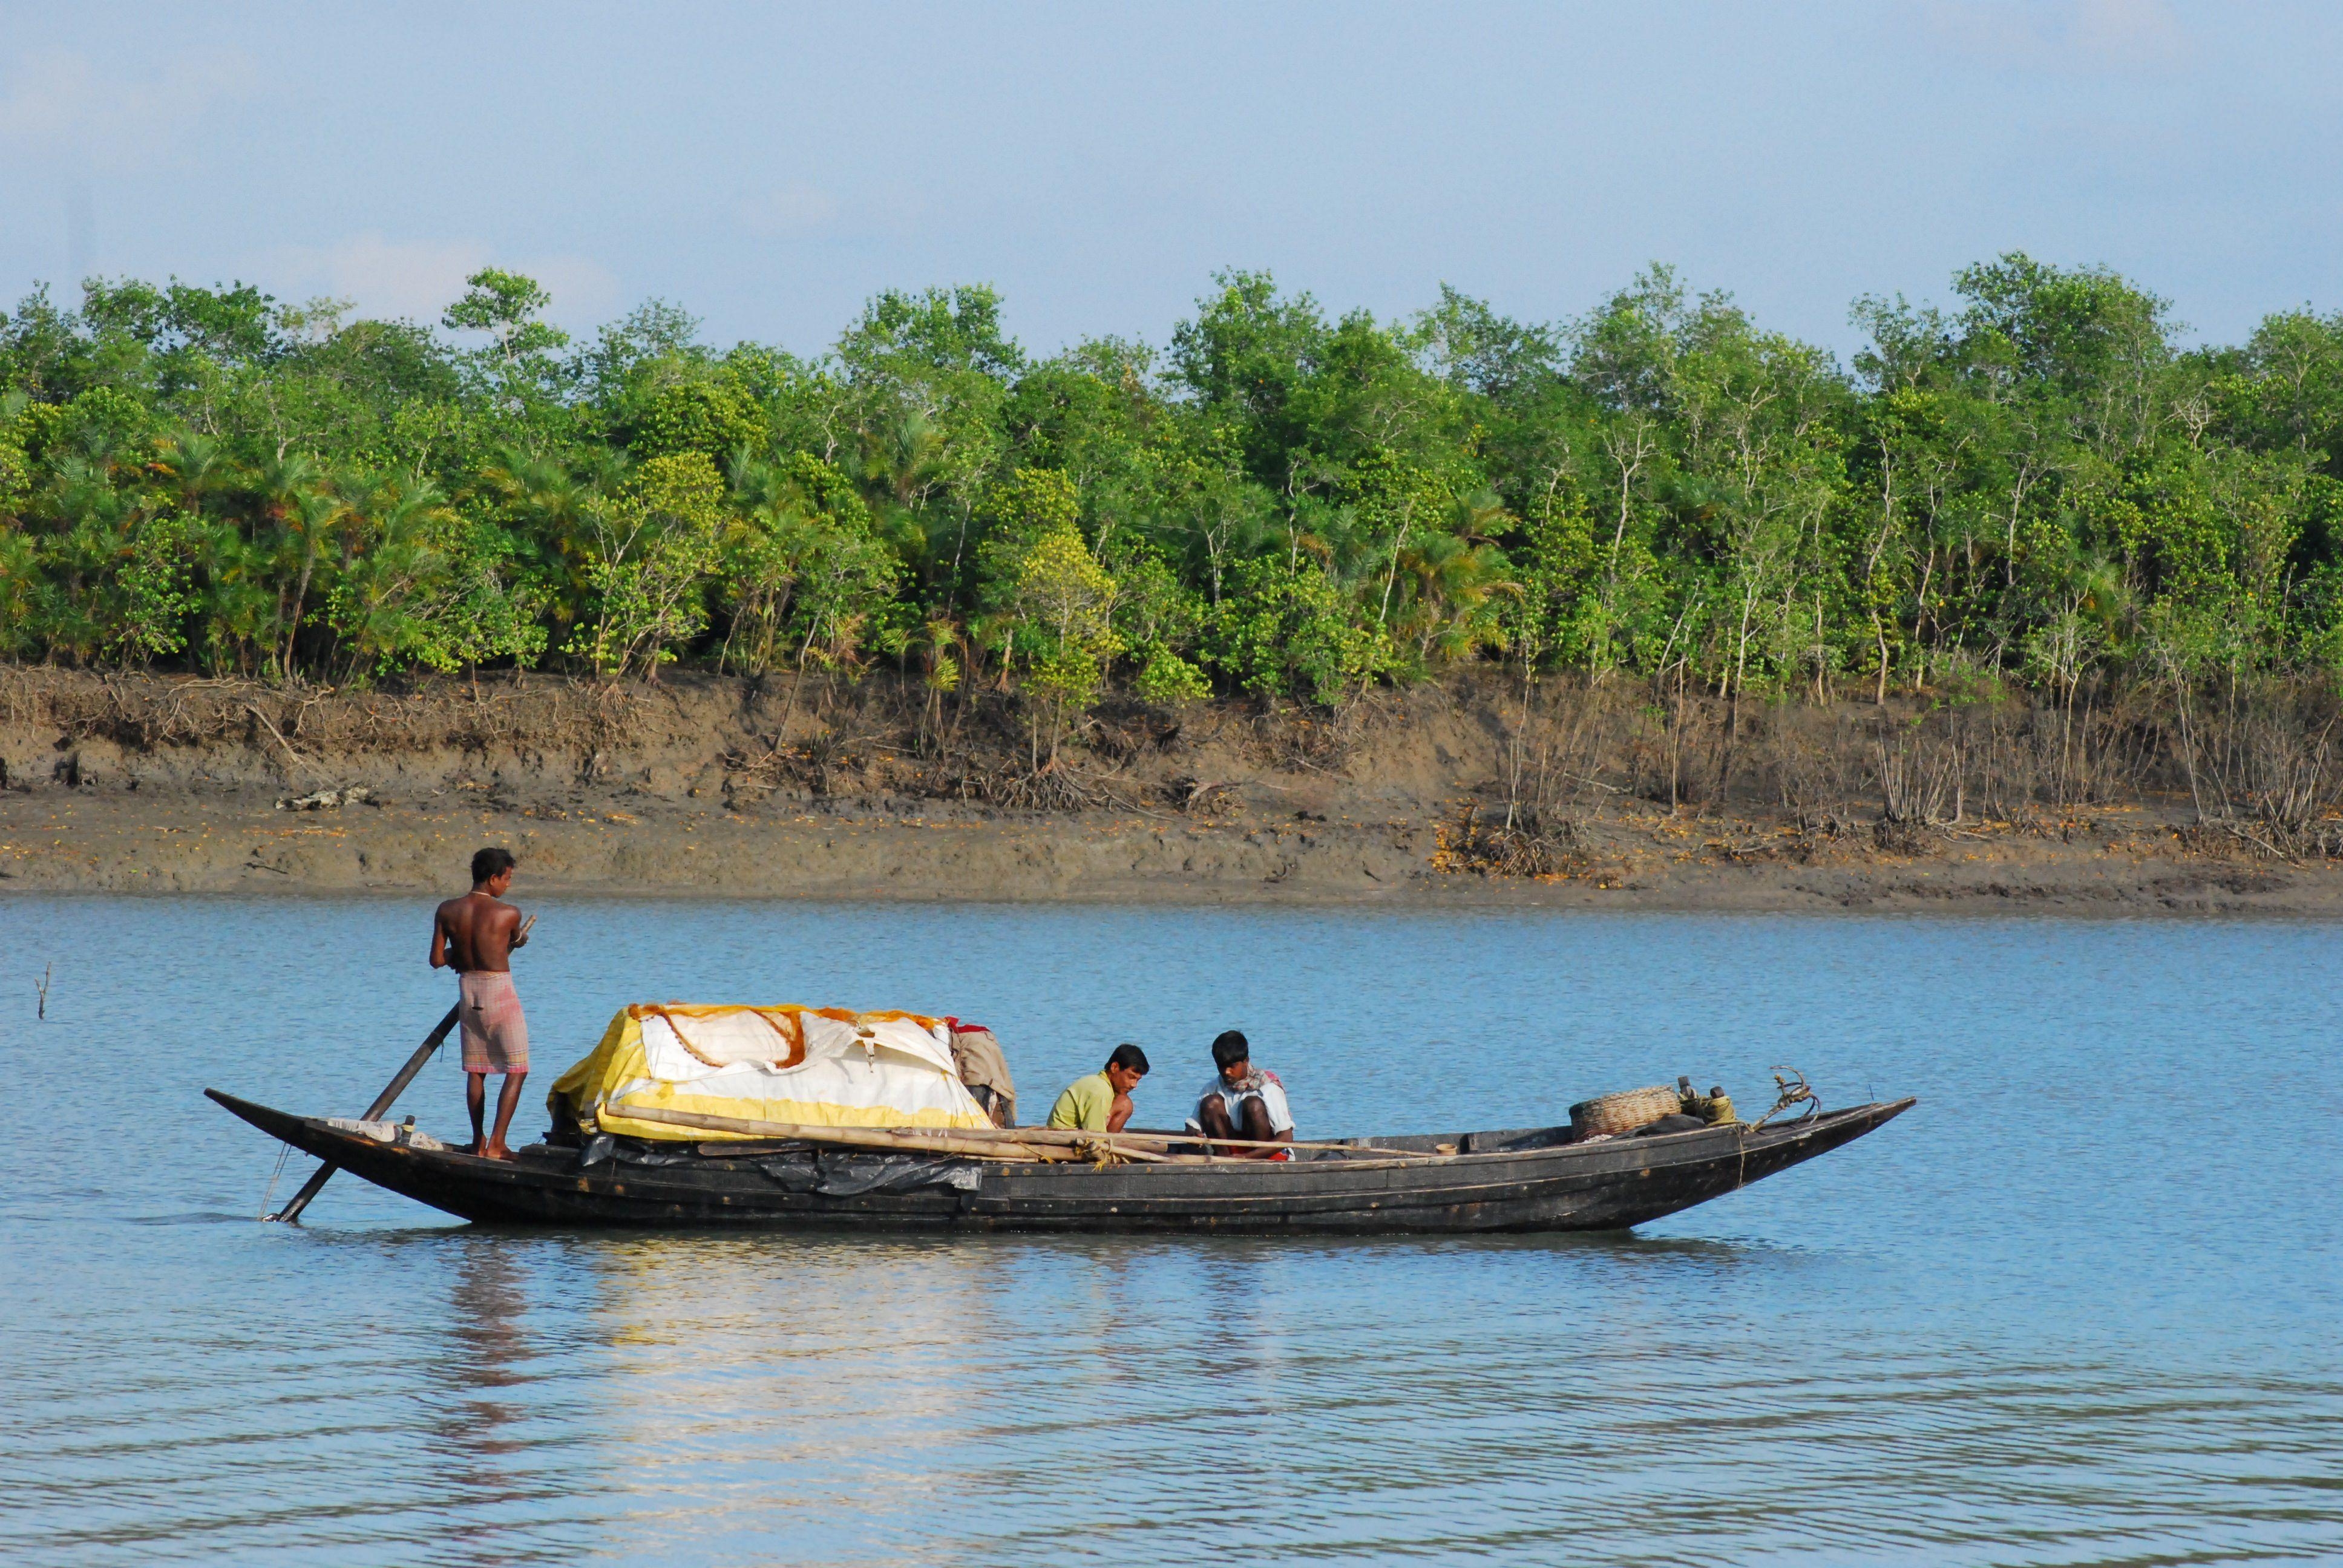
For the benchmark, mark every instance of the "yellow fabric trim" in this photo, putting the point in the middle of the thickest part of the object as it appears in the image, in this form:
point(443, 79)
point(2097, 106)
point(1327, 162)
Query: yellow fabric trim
point(641, 1010)
point(803, 1112)
point(617, 1059)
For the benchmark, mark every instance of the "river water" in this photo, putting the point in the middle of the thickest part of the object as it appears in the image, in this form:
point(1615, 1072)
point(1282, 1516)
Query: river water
point(2080, 1306)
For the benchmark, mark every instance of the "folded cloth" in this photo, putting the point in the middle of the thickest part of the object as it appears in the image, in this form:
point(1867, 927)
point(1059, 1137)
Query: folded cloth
point(984, 1068)
point(495, 1036)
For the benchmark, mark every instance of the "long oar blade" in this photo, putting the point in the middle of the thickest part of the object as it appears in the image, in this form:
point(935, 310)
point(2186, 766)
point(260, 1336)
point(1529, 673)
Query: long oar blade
point(291, 1213)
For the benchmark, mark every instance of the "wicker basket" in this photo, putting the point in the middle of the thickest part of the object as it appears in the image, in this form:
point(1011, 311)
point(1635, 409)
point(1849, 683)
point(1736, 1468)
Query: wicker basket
point(1622, 1112)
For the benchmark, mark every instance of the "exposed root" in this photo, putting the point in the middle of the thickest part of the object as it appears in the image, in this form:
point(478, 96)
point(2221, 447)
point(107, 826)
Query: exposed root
point(1529, 847)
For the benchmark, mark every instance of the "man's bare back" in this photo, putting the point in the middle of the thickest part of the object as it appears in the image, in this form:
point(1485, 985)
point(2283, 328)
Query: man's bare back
point(477, 934)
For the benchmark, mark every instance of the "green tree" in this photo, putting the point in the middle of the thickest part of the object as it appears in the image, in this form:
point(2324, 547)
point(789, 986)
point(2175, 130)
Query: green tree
point(1063, 604)
point(1284, 629)
point(520, 359)
point(656, 543)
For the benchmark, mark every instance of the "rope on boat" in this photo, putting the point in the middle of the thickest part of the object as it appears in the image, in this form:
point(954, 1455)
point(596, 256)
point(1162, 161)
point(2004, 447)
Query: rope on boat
point(1794, 1091)
point(283, 1149)
point(1790, 1089)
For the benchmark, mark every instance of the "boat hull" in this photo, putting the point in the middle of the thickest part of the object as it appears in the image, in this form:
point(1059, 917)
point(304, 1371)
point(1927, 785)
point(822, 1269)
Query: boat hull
point(1526, 1182)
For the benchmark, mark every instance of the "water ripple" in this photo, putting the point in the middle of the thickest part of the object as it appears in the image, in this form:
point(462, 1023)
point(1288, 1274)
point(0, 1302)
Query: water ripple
point(2048, 1319)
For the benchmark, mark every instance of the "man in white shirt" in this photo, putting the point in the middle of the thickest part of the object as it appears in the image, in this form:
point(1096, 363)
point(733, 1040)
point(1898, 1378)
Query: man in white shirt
point(1243, 1102)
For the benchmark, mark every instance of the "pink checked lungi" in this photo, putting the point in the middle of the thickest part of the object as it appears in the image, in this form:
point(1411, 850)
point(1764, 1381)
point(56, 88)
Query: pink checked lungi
point(495, 1036)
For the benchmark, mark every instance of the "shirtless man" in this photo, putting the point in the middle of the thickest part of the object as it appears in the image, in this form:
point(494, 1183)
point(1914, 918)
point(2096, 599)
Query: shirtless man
point(476, 936)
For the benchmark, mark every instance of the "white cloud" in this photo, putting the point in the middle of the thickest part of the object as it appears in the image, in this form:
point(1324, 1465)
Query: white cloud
point(418, 279)
point(58, 103)
point(2086, 34)
point(799, 209)
point(796, 208)
point(585, 292)
point(2127, 32)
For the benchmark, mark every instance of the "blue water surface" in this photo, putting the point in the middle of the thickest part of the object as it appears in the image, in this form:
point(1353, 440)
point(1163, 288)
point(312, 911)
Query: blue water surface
point(2081, 1307)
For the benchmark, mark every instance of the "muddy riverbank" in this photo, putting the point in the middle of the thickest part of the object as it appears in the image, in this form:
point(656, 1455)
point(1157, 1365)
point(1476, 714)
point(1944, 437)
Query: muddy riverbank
point(726, 789)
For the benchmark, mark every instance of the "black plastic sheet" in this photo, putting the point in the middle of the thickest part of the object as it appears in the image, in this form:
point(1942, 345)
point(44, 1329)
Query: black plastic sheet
point(834, 1174)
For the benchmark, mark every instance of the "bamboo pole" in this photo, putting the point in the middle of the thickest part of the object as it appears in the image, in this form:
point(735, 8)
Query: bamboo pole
point(1165, 1140)
point(893, 1140)
point(1030, 1142)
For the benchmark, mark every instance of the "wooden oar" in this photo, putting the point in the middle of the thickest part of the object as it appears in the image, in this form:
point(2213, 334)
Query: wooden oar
point(291, 1213)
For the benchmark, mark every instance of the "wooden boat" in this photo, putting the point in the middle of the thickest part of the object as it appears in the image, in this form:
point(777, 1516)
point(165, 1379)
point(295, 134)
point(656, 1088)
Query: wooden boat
point(1523, 1179)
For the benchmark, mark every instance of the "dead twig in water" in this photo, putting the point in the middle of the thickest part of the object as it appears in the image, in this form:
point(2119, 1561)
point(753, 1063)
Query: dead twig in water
point(40, 1010)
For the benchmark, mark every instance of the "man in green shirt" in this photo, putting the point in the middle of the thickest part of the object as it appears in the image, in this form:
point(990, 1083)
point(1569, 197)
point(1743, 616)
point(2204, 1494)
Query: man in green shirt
point(1101, 1102)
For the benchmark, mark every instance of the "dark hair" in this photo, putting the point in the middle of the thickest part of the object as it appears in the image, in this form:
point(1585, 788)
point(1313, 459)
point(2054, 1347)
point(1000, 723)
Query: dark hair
point(1128, 1056)
point(1230, 1047)
point(488, 862)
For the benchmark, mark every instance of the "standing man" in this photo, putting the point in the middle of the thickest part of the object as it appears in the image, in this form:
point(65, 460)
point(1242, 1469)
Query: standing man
point(1243, 1102)
point(476, 936)
point(1101, 1102)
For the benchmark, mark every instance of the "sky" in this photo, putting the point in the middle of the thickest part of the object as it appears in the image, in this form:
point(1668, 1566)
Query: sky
point(770, 168)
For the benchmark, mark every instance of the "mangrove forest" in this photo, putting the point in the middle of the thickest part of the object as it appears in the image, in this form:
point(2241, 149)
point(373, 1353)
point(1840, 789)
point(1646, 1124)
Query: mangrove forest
point(2039, 486)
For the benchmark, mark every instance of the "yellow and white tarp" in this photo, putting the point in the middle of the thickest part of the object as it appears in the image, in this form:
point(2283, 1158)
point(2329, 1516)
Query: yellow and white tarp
point(820, 1067)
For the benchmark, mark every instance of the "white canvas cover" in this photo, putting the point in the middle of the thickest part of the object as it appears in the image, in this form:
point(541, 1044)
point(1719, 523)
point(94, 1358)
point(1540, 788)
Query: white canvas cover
point(825, 1067)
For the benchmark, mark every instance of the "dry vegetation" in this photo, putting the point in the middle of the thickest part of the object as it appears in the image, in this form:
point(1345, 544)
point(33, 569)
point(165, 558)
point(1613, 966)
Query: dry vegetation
point(2251, 765)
